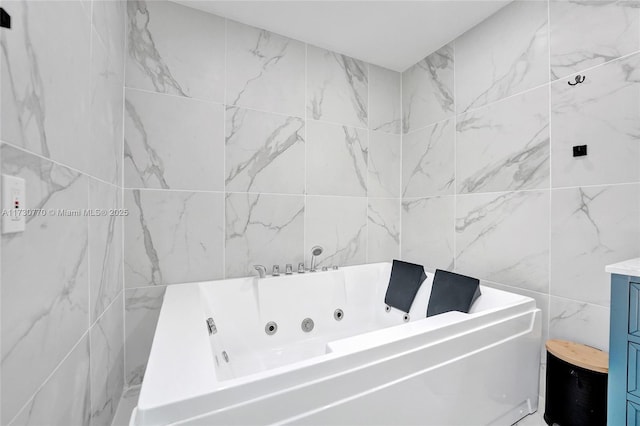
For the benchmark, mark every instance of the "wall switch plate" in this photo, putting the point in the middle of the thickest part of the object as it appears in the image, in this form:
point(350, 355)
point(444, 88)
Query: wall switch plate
point(13, 204)
point(579, 150)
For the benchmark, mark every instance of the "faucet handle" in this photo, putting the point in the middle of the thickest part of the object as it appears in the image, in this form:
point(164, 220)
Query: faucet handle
point(301, 268)
point(334, 267)
point(325, 268)
point(276, 270)
point(288, 269)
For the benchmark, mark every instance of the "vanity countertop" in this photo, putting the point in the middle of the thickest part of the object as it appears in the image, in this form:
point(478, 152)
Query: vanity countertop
point(627, 267)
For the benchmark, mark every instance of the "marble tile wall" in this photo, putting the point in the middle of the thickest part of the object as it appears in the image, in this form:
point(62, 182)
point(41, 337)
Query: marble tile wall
point(489, 184)
point(244, 147)
point(61, 283)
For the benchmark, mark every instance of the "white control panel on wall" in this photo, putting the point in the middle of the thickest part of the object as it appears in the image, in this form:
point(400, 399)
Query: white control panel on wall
point(13, 204)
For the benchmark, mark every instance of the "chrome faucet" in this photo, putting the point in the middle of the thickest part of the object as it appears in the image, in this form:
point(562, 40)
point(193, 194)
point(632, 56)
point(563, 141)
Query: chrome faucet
point(315, 252)
point(262, 271)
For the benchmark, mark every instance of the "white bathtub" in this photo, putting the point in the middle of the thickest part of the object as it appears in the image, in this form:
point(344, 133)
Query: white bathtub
point(369, 368)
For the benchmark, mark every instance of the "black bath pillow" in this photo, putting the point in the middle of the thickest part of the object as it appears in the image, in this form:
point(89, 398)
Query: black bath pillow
point(452, 292)
point(404, 283)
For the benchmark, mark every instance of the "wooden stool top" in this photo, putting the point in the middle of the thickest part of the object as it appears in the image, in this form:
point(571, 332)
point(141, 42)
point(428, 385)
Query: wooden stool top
point(579, 355)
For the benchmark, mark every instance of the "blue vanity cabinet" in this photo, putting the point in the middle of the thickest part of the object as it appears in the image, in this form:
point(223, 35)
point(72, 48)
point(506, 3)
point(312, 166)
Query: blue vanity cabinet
point(623, 401)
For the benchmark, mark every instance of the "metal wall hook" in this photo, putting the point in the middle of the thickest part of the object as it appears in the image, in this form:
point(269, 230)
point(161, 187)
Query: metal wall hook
point(579, 79)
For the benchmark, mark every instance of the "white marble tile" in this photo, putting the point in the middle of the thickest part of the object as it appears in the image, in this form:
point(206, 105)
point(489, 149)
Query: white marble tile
point(428, 161)
point(142, 309)
point(64, 398)
point(339, 225)
point(427, 90)
point(175, 49)
point(128, 402)
point(579, 322)
point(45, 283)
point(265, 71)
point(384, 99)
point(383, 230)
point(602, 113)
point(503, 55)
point(337, 88)
point(384, 163)
point(588, 33)
point(107, 363)
point(44, 105)
point(173, 142)
point(172, 237)
point(590, 228)
point(427, 231)
point(109, 21)
point(504, 146)
point(504, 238)
point(336, 159)
point(264, 230)
point(104, 156)
point(264, 152)
point(105, 246)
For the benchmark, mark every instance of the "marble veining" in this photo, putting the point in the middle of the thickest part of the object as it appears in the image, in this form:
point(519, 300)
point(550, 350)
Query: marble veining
point(337, 88)
point(428, 166)
point(44, 106)
point(172, 142)
point(384, 165)
point(427, 231)
point(383, 236)
point(264, 70)
point(587, 233)
point(579, 321)
point(107, 363)
point(165, 44)
point(587, 33)
point(105, 247)
point(490, 232)
point(504, 146)
point(45, 309)
point(384, 99)
point(339, 224)
point(172, 237)
point(503, 55)
point(262, 229)
point(104, 157)
point(142, 309)
point(264, 152)
point(64, 398)
point(341, 150)
point(603, 114)
point(427, 90)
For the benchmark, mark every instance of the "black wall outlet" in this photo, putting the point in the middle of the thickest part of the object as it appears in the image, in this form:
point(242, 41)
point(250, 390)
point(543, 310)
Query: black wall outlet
point(5, 19)
point(579, 150)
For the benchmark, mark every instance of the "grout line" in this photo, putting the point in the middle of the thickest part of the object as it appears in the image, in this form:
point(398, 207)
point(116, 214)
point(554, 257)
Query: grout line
point(550, 218)
point(46, 380)
point(57, 163)
point(401, 185)
point(368, 159)
point(122, 201)
point(306, 149)
point(108, 307)
point(455, 161)
point(224, 155)
point(225, 105)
